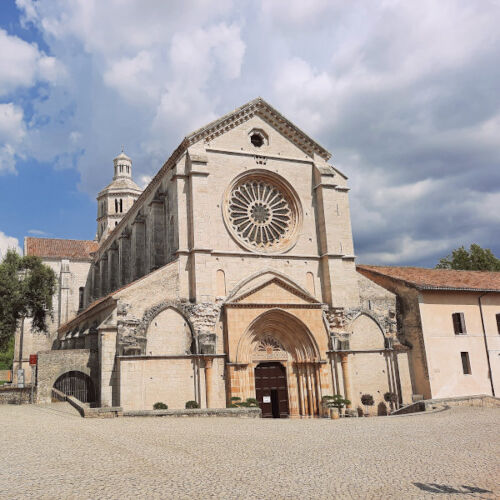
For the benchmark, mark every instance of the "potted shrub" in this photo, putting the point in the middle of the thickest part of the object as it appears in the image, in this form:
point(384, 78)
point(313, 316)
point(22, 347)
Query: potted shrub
point(160, 406)
point(252, 403)
point(190, 405)
point(335, 404)
point(367, 400)
point(391, 398)
point(234, 402)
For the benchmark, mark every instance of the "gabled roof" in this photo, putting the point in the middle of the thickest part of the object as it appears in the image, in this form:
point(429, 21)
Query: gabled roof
point(436, 279)
point(256, 107)
point(55, 248)
point(261, 108)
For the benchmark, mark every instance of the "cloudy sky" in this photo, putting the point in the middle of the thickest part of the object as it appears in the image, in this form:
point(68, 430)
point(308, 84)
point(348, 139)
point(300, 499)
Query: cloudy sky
point(404, 94)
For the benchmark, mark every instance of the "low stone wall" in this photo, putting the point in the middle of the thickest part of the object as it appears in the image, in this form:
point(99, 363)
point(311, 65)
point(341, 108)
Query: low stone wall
point(14, 395)
point(481, 400)
point(199, 412)
point(85, 410)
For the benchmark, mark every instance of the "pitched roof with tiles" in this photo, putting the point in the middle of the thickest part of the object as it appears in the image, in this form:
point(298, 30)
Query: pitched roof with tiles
point(437, 279)
point(53, 248)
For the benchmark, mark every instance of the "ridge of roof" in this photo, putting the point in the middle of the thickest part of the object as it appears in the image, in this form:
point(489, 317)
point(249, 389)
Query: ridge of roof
point(438, 279)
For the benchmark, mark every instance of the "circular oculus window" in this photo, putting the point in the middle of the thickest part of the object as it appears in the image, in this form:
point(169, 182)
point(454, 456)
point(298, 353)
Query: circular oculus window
point(262, 212)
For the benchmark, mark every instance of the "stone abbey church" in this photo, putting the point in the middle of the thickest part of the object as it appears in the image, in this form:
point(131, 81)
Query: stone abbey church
point(232, 274)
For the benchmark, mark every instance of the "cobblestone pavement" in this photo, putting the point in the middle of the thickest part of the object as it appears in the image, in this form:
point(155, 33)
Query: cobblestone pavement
point(50, 452)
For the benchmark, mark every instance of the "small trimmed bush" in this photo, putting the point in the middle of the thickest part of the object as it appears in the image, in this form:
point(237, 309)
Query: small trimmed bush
point(192, 404)
point(391, 398)
point(367, 400)
point(236, 402)
point(160, 406)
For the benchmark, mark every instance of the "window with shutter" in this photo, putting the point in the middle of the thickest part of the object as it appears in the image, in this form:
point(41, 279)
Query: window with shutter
point(498, 322)
point(459, 323)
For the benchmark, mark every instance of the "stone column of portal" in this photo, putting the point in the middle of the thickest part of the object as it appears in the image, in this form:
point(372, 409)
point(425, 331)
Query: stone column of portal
point(309, 389)
point(314, 394)
point(317, 388)
point(303, 386)
point(345, 375)
point(209, 380)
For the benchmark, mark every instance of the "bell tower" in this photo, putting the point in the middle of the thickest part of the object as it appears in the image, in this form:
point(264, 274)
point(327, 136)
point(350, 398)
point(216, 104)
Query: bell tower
point(115, 200)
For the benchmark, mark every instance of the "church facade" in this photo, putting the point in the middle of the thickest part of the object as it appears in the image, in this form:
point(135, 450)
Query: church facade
point(231, 275)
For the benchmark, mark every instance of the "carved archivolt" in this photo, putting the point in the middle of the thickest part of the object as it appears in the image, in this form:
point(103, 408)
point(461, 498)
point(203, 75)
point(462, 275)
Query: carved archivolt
point(277, 334)
point(262, 212)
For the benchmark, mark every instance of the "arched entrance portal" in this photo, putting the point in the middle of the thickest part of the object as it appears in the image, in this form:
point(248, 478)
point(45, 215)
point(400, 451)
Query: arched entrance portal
point(78, 385)
point(279, 353)
point(271, 390)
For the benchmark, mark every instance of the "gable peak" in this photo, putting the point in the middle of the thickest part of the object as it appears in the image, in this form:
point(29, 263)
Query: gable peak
point(258, 107)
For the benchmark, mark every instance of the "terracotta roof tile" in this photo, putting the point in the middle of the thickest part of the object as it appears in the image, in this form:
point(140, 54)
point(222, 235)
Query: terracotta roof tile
point(437, 279)
point(59, 248)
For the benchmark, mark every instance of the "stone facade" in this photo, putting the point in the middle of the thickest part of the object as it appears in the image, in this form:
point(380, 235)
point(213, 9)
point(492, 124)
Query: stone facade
point(237, 257)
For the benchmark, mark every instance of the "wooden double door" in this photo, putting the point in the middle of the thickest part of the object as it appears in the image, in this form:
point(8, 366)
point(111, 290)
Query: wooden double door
point(271, 390)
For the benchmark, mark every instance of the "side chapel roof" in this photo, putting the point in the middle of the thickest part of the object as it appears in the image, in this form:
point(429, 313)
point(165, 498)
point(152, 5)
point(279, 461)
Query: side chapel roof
point(436, 279)
point(60, 249)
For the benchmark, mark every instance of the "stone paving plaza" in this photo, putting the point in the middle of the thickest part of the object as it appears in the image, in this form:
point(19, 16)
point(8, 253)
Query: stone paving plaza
point(50, 452)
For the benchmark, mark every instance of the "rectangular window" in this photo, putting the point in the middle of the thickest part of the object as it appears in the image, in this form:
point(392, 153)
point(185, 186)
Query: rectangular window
point(81, 292)
point(498, 322)
point(465, 363)
point(459, 323)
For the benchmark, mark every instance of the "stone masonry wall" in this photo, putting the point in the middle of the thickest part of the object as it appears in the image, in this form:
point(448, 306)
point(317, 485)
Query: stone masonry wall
point(52, 364)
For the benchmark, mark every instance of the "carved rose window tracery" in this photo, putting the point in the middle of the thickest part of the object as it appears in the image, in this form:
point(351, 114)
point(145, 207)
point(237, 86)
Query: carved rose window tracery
point(262, 214)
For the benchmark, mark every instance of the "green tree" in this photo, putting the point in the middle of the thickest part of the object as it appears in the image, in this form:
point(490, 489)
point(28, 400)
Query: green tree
point(7, 356)
point(26, 289)
point(475, 259)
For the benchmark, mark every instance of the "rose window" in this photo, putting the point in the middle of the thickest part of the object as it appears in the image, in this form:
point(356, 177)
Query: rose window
point(262, 214)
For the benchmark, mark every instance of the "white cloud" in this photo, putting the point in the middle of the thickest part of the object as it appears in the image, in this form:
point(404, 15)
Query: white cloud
point(404, 94)
point(12, 133)
point(22, 64)
point(8, 243)
point(37, 232)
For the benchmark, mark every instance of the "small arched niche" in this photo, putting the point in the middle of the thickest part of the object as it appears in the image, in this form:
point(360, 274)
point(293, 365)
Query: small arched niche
point(220, 283)
point(169, 333)
point(310, 286)
point(366, 334)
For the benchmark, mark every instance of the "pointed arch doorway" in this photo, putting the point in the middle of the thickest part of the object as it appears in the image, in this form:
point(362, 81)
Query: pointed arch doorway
point(271, 390)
